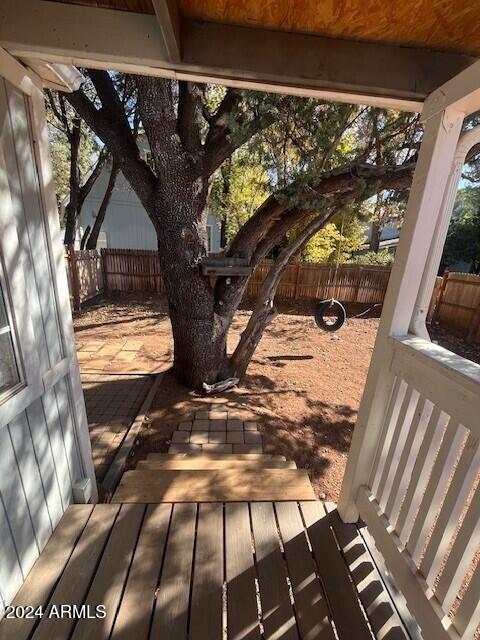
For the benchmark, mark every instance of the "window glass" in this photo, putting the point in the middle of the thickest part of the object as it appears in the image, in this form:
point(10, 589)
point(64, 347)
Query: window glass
point(9, 375)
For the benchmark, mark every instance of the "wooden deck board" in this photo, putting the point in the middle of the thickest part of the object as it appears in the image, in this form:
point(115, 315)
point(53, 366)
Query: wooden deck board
point(74, 583)
point(242, 610)
point(171, 611)
point(206, 619)
point(134, 615)
point(277, 613)
point(310, 604)
point(109, 580)
point(41, 580)
point(215, 485)
point(160, 570)
point(382, 614)
point(205, 463)
point(342, 597)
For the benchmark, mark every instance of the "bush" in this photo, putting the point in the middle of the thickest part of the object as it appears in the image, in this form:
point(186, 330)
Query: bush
point(384, 258)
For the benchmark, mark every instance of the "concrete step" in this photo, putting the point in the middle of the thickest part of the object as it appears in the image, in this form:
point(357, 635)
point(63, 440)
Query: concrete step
point(214, 485)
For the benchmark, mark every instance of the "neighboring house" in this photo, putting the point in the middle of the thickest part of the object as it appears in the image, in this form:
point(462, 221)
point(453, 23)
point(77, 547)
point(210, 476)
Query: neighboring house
point(388, 239)
point(126, 224)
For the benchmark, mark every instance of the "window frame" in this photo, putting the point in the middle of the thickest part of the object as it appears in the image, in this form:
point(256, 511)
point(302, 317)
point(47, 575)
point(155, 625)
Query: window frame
point(13, 282)
point(12, 390)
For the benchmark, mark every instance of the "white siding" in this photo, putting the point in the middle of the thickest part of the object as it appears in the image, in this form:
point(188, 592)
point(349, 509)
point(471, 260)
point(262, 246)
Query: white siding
point(39, 452)
point(126, 223)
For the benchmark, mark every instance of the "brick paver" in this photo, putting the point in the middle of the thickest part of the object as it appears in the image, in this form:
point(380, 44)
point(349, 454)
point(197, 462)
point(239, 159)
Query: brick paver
point(219, 429)
point(112, 403)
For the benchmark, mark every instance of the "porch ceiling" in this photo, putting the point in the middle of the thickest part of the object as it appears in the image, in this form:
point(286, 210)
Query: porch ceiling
point(433, 24)
point(363, 51)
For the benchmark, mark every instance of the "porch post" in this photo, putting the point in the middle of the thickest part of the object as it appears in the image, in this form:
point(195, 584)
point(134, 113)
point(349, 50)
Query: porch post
point(467, 140)
point(442, 131)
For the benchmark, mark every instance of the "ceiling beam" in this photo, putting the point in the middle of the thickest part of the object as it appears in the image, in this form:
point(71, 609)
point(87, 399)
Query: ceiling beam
point(384, 75)
point(169, 20)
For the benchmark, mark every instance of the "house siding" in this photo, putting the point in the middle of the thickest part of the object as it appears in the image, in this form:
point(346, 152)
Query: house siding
point(40, 457)
point(126, 223)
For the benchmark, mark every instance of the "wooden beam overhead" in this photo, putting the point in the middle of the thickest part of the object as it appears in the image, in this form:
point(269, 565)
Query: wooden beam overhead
point(350, 71)
point(168, 18)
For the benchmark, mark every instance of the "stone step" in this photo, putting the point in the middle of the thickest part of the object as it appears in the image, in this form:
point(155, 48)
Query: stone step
point(215, 447)
point(216, 456)
point(214, 485)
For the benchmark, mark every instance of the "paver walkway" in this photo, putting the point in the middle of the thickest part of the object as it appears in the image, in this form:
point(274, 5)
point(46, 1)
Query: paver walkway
point(216, 431)
point(132, 356)
point(112, 403)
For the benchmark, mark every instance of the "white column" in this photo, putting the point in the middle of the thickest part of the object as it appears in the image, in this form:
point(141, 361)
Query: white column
point(417, 326)
point(430, 180)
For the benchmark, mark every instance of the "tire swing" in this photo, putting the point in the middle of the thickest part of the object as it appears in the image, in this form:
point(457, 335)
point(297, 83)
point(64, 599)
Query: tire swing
point(326, 310)
point(330, 315)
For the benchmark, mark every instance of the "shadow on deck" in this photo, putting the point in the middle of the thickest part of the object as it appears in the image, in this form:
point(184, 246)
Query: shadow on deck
point(208, 571)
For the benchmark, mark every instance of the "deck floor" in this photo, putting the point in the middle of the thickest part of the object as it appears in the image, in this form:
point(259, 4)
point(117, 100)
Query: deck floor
point(208, 571)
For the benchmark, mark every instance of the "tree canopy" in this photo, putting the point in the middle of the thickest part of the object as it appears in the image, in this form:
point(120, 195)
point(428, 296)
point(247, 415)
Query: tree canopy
point(463, 238)
point(280, 169)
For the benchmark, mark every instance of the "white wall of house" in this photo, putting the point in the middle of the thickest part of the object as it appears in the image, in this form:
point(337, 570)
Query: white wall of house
point(44, 445)
point(126, 224)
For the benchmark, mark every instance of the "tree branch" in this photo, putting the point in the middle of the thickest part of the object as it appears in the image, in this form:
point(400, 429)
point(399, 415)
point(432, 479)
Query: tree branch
point(189, 113)
point(90, 181)
point(264, 311)
point(111, 125)
point(341, 182)
point(219, 143)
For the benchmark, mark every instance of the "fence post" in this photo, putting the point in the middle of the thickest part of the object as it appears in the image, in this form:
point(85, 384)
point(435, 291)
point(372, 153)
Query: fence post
point(358, 273)
point(297, 281)
point(104, 269)
point(474, 325)
point(441, 293)
point(72, 263)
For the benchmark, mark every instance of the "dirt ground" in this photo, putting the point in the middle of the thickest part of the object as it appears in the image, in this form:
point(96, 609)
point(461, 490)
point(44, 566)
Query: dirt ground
point(303, 385)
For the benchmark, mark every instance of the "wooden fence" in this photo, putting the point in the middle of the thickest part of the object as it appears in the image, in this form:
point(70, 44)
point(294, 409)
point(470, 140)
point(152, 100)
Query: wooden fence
point(456, 304)
point(84, 275)
point(348, 283)
point(130, 270)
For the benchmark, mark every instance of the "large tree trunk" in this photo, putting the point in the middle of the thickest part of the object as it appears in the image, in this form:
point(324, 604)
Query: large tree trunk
point(199, 331)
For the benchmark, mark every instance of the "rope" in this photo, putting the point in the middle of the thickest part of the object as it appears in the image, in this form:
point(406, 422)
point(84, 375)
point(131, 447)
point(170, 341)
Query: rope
point(359, 315)
point(337, 262)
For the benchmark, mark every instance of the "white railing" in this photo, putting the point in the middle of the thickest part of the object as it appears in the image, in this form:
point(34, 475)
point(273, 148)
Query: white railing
point(421, 502)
